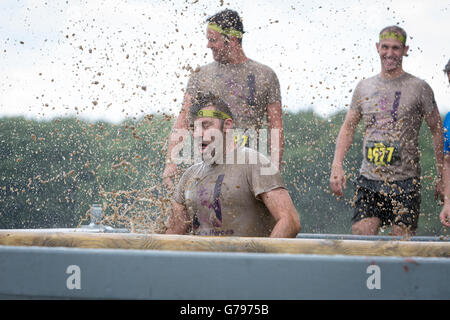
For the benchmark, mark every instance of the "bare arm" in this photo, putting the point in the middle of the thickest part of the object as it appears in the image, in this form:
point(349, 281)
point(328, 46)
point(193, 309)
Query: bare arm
point(445, 213)
point(274, 116)
point(343, 144)
point(434, 122)
point(179, 220)
point(181, 123)
point(282, 209)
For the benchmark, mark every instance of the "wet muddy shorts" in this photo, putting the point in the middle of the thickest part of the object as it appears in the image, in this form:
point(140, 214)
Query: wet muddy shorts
point(392, 208)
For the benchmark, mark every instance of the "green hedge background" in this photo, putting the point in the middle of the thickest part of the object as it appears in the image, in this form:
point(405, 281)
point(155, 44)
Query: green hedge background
point(51, 172)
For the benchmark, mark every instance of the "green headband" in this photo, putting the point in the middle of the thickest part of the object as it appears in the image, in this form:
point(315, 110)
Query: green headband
point(393, 35)
point(227, 32)
point(213, 114)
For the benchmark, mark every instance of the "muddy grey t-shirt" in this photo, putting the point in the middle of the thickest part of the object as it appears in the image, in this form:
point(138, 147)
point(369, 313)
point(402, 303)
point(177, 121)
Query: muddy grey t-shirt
point(247, 87)
point(224, 199)
point(392, 111)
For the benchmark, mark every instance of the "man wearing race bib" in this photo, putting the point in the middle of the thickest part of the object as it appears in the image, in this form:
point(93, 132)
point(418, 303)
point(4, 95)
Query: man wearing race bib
point(251, 89)
point(392, 106)
point(445, 213)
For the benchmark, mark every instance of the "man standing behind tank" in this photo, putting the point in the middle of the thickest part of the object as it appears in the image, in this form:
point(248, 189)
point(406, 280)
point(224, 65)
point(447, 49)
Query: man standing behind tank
point(392, 105)
point(251, 89)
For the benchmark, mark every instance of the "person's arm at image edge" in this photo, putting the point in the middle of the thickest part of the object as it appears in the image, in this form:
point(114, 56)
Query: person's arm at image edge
point(434, 122)
point(445, 213)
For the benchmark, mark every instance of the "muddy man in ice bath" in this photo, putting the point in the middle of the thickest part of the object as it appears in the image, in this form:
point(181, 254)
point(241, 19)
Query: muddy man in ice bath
point(234, 190)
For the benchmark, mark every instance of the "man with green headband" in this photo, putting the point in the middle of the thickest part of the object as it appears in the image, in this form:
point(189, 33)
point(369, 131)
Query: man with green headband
point(252, 91)
point(232, 190)
point(392, 105)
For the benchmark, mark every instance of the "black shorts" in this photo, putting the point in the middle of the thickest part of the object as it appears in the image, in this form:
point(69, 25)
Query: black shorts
point(399, 209)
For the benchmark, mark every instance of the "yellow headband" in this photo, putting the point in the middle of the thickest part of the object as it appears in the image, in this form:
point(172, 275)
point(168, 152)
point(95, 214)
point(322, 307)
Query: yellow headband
point(393, 35)
point(227, 32)
point(213, 114)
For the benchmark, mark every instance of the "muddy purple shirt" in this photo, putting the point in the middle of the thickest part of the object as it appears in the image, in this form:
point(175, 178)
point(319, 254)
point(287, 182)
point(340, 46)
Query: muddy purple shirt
point(223, 199)
point(247, 88)
point(392, 111)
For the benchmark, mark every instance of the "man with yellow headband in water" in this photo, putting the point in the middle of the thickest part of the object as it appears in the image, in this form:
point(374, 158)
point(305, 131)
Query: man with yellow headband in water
point(392, 105)
point(232, 190)
point(252, 90)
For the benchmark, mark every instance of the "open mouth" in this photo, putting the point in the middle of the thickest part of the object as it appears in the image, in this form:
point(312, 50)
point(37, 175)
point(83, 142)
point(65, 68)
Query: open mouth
point(390, 61)
point(204, 145)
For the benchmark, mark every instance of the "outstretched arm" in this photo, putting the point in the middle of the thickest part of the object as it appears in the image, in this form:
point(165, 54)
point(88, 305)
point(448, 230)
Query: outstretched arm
point(343, 144)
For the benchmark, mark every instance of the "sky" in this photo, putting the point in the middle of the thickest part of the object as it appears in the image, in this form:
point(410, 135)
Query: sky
point(107, 60)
